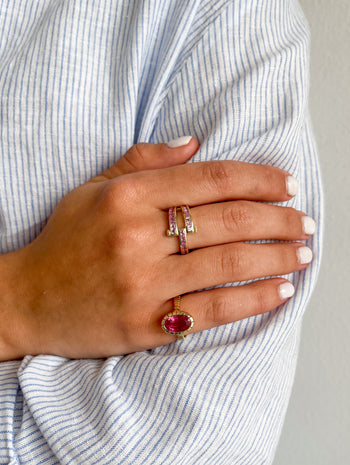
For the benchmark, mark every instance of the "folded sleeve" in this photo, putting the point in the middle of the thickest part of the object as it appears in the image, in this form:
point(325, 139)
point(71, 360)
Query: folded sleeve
point(235, 75)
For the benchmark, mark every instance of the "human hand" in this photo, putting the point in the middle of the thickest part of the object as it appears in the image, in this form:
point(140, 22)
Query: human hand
point(99, 278)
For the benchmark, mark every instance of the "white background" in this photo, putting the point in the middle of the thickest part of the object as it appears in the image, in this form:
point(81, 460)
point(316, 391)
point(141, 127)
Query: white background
point(317, 428)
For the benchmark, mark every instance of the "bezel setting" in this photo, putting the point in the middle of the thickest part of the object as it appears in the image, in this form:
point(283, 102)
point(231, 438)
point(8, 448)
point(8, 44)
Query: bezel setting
point(179, 333)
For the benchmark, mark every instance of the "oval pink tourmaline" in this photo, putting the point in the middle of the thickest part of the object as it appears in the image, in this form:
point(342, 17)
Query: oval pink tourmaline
point(177, 323)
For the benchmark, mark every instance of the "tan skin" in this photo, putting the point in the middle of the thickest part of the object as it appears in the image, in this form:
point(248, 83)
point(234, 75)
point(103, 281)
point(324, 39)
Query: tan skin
point(98, 279)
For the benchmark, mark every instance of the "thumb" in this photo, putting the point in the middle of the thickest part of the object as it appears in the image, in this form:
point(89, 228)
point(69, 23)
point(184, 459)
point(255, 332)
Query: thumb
point(145, 156)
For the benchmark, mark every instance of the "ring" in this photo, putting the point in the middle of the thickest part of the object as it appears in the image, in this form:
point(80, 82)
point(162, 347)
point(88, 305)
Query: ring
point(176, 322)
point(183, 241)
point(182, 233)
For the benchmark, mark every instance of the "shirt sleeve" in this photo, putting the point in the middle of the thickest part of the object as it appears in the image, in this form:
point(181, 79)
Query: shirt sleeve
point(235, 75)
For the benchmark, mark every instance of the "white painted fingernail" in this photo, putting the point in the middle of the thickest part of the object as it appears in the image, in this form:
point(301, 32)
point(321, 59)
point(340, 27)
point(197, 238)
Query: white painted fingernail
point(292, 185)
point(309, 225)
point(304, 255)
point(179, 142)
point(286, 290)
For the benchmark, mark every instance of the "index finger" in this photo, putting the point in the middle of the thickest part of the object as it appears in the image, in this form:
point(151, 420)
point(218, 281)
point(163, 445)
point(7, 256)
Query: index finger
point(215, 181)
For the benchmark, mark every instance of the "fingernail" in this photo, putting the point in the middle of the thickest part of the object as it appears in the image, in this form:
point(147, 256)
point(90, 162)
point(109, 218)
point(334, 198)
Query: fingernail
point(309, 225)
point(286, 290)
point(179, 142)
point(304, 255)
point(292, 185)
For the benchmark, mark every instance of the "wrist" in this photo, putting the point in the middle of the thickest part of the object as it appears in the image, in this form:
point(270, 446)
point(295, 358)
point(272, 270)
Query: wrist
point(15, 327)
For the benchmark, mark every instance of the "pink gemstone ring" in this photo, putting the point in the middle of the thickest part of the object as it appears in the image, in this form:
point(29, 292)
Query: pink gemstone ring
point(176, 322)
point(174, 230)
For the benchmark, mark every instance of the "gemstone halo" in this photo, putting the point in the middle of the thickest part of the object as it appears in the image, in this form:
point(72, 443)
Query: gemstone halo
point(177, 323)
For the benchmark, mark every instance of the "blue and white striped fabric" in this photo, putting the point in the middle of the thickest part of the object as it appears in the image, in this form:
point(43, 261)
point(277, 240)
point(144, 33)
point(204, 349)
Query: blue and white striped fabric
point(80, 82)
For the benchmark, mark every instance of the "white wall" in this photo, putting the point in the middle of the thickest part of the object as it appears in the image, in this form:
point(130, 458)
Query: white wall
point(317, 428)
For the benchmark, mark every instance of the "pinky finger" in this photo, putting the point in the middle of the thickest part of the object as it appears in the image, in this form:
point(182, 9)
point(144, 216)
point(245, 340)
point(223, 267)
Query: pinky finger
point(220, 306)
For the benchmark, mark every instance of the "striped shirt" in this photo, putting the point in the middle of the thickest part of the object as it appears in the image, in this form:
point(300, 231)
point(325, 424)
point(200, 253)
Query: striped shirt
point(80, 82)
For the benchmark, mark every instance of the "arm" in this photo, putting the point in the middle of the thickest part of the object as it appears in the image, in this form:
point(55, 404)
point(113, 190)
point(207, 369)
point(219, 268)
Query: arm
point(191, 399)
point(95, 282)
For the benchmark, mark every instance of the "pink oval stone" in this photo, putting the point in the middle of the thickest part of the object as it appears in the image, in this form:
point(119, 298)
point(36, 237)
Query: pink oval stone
point(177, 323)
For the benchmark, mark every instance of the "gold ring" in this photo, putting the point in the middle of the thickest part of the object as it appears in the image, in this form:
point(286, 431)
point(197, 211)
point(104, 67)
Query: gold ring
point(174, 230)
point(177, 322)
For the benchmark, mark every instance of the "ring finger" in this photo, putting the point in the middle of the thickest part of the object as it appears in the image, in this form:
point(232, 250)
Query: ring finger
point(221, 306)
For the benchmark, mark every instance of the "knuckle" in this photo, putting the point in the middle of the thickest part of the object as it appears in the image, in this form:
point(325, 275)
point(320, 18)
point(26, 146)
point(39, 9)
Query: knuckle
point(135, 156)
point(230, 263)
point(122, 240)
point(279, 260)
point(120, 195)
point(291, 219)
point(132, 286)
point(217, 175)
point(130, 328)
point(261, 302)
point(217, 312)
point(287, 215)
point(236, 217)
point(265, 177)
point(269, 175)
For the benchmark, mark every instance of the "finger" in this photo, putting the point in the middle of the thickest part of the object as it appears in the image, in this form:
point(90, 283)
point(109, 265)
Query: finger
point(221, 306)
point(144, 156)
point(214, 181)
point(222, 264)
point(226, 222)
point(217, 307)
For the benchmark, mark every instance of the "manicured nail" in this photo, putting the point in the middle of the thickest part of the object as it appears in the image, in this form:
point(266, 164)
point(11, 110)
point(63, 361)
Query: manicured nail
point(179, 142)
point(309, 225)
point(304, 255)
point(286, 290)
point(292, 185)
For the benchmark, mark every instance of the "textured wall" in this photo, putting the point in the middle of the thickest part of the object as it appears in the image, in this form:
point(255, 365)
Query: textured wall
point(317, 428)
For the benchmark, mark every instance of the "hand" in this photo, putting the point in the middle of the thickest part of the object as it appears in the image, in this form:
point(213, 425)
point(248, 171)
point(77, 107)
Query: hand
point(99, 278)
